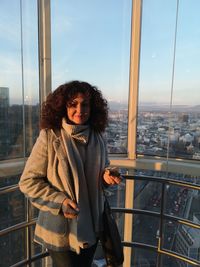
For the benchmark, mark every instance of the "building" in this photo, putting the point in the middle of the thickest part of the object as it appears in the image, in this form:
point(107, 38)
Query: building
point(4, 121)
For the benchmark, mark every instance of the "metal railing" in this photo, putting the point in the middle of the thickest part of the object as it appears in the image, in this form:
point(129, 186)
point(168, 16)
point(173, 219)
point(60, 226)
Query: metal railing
point(161, 215)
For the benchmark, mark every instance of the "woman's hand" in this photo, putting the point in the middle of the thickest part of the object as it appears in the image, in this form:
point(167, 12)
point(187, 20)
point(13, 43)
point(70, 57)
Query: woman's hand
point(70, 209)
point(112, 176)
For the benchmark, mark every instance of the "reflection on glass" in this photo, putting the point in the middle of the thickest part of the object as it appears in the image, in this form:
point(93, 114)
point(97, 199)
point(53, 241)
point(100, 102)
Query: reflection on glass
point(91, 42)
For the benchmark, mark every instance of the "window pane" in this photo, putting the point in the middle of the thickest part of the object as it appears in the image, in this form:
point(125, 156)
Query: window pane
point(158, 20)
point(182, 239)
point(8, 180)
point(182, 202)
point(12, 209)
point(186, 95)
point(13, 247)
point(143, 257)
point(19, 78)
point(147, 195)
point(167, 261)
point(144, 232)
point(91, 42)
point(168, 120)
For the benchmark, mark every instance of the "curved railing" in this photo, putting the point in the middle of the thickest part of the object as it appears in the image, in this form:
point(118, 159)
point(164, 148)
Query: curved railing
point(130, 227)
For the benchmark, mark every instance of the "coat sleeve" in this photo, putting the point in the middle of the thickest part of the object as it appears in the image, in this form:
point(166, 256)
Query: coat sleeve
point(34, 183)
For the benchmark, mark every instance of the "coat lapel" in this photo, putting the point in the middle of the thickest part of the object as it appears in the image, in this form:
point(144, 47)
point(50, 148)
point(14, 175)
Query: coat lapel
point(66, 172)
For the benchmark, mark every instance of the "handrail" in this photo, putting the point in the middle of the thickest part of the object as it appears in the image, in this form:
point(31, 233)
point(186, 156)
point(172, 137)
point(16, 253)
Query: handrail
point(161, 215)
point(32, 259)
point(17, 227)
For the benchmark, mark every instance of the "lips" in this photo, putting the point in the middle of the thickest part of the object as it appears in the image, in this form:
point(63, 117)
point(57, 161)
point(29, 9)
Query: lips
point(79, 116)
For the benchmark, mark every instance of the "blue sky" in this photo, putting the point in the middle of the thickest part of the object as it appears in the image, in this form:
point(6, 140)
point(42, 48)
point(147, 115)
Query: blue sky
point(158, 37)
point(91, 41)
point(94, 45)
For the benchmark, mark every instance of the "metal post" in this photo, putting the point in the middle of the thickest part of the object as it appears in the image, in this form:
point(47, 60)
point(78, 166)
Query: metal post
point(44, 31)
point(132, 120)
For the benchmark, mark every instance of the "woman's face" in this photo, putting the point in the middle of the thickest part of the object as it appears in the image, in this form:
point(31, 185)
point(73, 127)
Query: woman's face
point(78, 109)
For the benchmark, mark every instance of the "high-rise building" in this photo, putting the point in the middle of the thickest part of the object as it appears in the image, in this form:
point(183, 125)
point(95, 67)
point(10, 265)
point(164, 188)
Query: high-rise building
point(4, 121)
point(4, 97)
point(187, 240)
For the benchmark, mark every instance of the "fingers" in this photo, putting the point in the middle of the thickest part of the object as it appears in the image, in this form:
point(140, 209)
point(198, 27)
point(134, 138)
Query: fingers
point(69, 208)
point(111, 178)
point(117, 179)
point(70, 215)
point(73, 205)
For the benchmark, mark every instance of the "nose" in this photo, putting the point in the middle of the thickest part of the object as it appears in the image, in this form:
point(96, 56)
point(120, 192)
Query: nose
point(79, 108)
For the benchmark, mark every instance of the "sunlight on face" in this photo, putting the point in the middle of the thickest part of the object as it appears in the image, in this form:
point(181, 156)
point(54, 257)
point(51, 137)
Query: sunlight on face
point(78, 109)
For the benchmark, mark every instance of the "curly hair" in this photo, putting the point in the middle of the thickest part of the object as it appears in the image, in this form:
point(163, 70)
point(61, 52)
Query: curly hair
point(54, 108)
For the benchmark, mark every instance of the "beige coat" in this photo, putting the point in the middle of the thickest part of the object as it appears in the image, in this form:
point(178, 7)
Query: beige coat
point(48, 159)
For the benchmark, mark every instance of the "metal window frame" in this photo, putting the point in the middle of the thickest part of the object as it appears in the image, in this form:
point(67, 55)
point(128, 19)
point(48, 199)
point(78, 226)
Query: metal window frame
point(44, 40)
point(132, 119)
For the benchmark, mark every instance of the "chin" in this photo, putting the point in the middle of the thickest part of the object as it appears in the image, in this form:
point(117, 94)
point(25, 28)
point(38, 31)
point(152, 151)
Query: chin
point(79, 122)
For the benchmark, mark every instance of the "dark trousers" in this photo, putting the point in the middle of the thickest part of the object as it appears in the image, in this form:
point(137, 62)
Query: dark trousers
point(71, 259)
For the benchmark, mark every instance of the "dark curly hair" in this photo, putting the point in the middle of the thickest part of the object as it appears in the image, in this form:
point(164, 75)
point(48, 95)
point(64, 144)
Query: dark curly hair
point(54, 108)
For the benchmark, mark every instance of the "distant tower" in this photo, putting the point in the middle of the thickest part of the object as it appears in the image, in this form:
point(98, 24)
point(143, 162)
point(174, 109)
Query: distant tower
point(4, 122)
point(184, 118)
point(4, 97)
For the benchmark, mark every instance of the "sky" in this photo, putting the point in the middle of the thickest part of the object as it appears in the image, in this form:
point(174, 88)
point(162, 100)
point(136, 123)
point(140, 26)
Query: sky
point(90, 41)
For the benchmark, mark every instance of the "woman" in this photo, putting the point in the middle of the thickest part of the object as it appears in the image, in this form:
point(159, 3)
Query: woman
point(64, 173)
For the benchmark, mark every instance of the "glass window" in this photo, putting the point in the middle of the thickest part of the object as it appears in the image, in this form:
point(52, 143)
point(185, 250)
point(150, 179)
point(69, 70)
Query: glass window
point(182, 239)
point(182, 202)
point(170, 261)
point(19, 78)
point(12, 209)
point(169, 115)
point(91, 42)
point(13, 247)
point(143, 257)
point(19, 116)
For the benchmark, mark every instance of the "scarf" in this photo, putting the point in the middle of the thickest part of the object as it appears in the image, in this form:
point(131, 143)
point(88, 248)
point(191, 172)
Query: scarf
point(87, 158)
